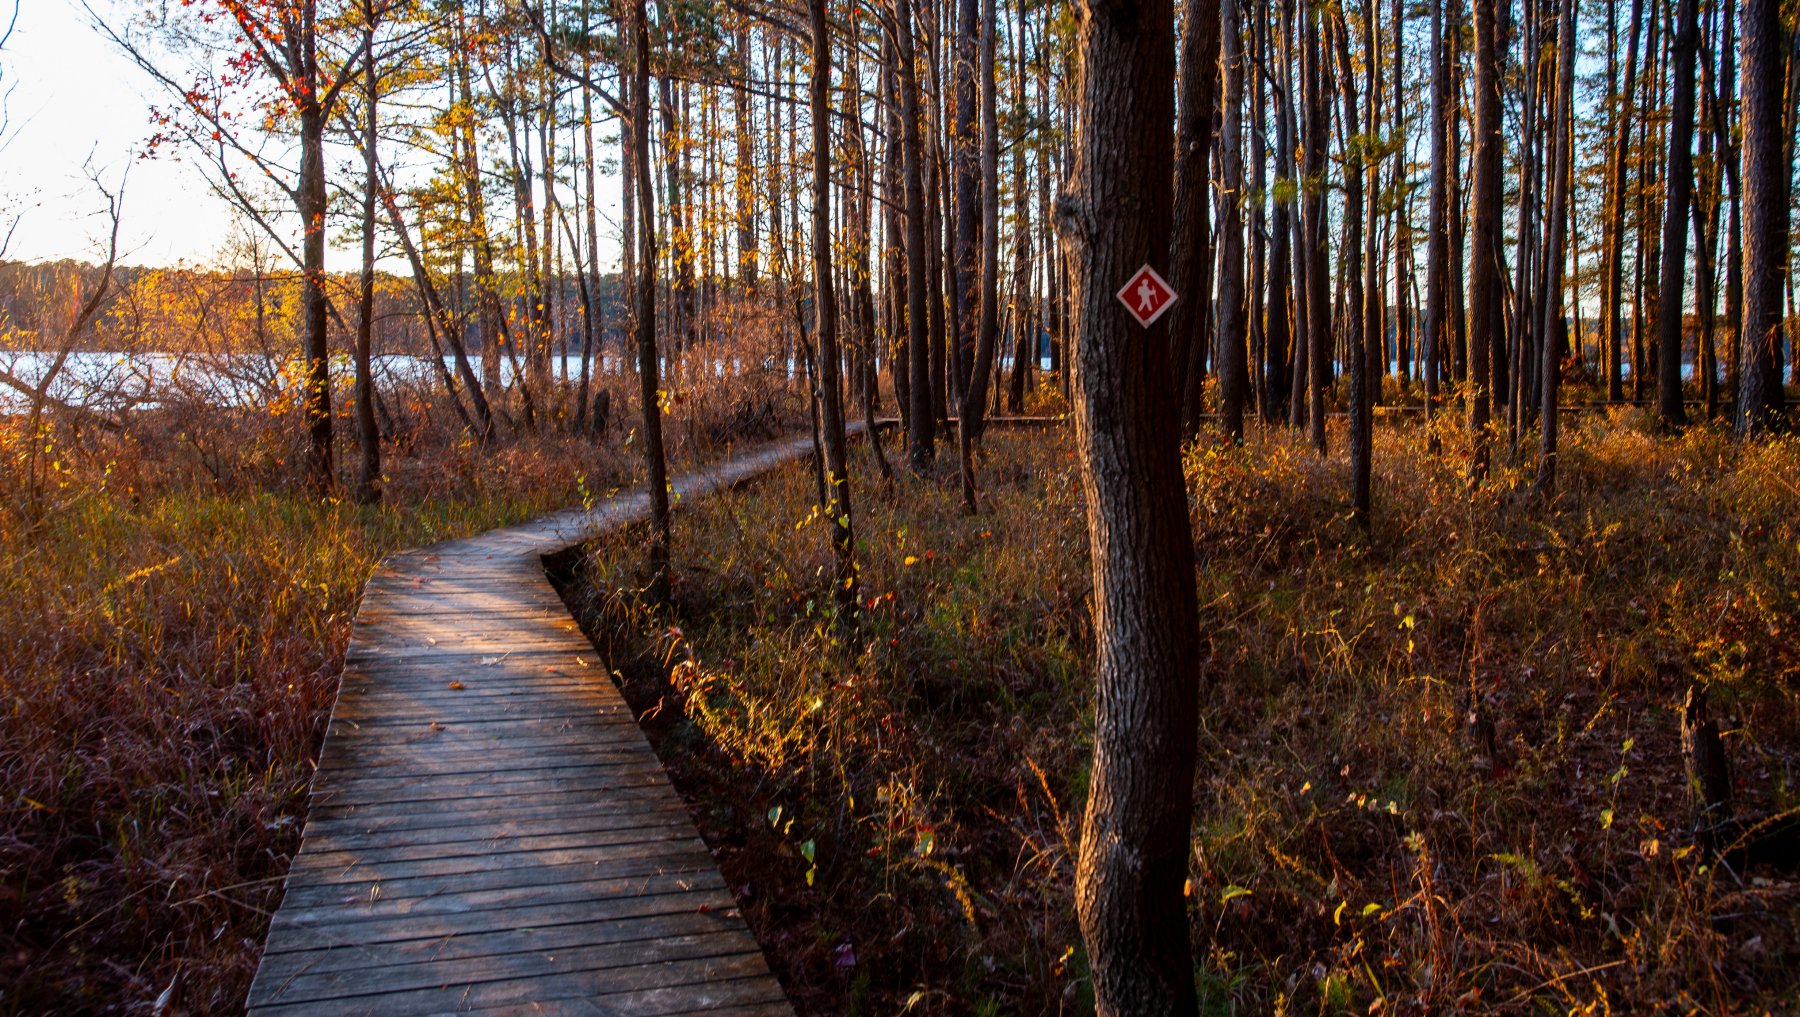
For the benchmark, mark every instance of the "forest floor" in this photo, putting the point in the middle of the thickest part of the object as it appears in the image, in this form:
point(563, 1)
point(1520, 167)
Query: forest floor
point(898, 806)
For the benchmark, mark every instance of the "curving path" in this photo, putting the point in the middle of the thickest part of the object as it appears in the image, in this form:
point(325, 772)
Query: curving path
point(490, 832)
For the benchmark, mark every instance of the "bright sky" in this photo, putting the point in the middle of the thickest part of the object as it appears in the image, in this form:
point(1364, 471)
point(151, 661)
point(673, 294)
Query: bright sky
point(76, 99)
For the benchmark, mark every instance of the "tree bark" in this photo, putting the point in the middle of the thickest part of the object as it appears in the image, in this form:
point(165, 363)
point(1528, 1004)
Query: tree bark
point(922, 422)
point(1134, 840)
point(1356, 173)
point(975, 388)
point(1189, 250)
point(1677, 207)
point(1615, 219)
point(831, 407)
point(1550, 355)
point(1437, 240)
point(368, 434)
point(1484, 238)
point(321, 476)
point(649, 384)
point(1233, 368)
point(1318, 280)
point(1765, 180)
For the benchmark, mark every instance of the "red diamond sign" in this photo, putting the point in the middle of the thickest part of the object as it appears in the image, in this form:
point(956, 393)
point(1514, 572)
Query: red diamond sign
point(1147, 296)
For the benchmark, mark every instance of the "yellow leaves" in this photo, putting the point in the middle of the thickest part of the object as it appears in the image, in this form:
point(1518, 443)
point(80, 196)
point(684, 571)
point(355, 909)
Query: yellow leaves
point(910, 560)
point(1337, 917)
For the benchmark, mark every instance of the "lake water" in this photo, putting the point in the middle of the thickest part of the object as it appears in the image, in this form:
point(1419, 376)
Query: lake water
point(111, 382)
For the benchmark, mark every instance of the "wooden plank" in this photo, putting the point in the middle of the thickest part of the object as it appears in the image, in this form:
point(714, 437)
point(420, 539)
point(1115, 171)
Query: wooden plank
point(507, 827)
point(513, 876)
point(668, 839)
point(455, 904)
point(321, 931)
point(422, 790)
point(626, 859)
point(540, 963)
point(497, 758)
point(475, 946)
point(649, 990)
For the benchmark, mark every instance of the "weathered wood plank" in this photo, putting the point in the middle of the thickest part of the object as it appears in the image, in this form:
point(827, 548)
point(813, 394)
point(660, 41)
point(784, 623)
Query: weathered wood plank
point(543, 962)
point(625, 859)
point(649, 990)
point(352, 928)
point(499, 943)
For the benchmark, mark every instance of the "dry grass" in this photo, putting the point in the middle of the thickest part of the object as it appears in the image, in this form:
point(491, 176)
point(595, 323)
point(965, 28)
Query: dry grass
point(176, 610)
point(895, 808)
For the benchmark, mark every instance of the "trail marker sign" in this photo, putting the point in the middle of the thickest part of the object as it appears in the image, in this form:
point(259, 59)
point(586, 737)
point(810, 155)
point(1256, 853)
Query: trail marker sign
point(1147, 295)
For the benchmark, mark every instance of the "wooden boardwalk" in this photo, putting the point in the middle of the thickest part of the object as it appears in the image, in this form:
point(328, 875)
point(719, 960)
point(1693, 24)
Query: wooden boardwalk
point(490, 832)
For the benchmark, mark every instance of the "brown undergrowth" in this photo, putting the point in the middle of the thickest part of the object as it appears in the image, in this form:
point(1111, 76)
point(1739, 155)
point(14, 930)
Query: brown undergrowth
point(176, 610)
point(896, 804)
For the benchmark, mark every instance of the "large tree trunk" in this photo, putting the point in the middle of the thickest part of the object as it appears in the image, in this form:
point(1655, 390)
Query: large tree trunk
point(1134, 839)
point(1765, 180)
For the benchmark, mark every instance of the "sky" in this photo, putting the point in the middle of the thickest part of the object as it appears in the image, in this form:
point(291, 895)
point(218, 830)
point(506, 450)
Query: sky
point(75, 100)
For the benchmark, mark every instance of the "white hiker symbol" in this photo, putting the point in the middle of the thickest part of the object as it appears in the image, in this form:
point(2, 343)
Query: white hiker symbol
point(1146, 297)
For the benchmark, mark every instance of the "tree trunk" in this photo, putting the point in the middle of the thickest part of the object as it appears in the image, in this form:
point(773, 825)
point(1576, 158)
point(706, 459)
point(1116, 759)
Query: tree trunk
point(1356, 172)
point(1437, 240)
point(1484, 238)
point(1233, 367)
point(1134, 839)
point(1189, 250)
point(1678, 206)
point(1550, 356)
point(1615, 219)
point(320, 475)
point(1318, 279)
point(831, 407)
point(965, 158)
point(649, 384)
point(368, 435)
point(1765, 180)
point(922, 422)
point(975, 388)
